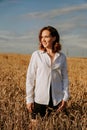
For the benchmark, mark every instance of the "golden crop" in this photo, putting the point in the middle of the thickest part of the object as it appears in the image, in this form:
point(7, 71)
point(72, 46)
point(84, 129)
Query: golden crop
point(13, 112)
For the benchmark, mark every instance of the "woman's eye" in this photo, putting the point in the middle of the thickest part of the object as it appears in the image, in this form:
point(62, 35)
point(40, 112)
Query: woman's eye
point(45, 36)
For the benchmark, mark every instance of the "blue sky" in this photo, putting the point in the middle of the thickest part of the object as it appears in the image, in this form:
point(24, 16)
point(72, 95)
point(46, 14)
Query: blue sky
point(21, 20)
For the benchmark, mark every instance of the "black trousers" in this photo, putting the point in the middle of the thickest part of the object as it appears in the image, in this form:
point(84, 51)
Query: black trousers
point(42, 109)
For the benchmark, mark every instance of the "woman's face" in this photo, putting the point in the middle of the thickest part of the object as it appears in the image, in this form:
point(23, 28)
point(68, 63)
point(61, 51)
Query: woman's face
point(47, 39)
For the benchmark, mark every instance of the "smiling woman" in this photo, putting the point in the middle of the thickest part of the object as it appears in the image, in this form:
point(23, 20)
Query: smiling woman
point(49, 36)
point(47, 78)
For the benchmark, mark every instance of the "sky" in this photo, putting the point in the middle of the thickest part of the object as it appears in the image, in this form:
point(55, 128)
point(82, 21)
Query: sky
point(21, 21)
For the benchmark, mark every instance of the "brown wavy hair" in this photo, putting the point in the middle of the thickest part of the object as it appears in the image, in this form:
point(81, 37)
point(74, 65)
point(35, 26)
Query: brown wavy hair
point(56, 46)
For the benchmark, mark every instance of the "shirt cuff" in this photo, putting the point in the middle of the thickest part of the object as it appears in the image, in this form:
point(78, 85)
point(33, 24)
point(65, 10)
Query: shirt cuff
point(29, 100)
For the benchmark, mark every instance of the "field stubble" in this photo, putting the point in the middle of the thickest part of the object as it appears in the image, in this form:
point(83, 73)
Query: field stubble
point(14, 115)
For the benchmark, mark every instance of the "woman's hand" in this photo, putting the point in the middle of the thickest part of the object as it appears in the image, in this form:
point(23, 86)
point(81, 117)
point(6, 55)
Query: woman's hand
point(61, 106)
point(30, 107)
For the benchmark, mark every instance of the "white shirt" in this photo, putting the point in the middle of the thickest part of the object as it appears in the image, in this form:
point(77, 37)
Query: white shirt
point(42, 73)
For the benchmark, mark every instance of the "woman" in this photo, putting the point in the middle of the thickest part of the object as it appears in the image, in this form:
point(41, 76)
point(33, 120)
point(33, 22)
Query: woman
point(47, 79)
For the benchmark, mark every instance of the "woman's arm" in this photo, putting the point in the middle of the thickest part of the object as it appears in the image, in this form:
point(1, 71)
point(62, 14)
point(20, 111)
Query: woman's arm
point(65, 80)
point(30, 79)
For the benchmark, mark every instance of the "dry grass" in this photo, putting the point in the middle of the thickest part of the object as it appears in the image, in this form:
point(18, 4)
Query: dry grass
point(14, 115)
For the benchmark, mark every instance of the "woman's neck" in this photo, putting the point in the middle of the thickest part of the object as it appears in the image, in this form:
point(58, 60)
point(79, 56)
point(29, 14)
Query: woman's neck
point(51, 54)
point(49, 51)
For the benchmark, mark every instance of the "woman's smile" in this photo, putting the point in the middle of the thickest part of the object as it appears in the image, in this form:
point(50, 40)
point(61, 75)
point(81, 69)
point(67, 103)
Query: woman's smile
point(46, 39)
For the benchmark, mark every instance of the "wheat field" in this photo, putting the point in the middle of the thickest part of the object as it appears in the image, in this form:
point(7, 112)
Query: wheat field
point(13, 112)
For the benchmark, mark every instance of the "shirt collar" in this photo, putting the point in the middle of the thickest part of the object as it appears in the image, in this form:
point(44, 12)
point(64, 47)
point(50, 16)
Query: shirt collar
point(57, 54)
point(41, 51)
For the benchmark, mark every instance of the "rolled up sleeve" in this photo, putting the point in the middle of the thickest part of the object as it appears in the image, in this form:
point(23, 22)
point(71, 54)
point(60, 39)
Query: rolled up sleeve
point(65, 80)
point(30, 79)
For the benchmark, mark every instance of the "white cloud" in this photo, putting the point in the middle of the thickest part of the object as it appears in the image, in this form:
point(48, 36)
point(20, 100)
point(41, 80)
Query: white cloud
point(75, 41)
point(11, 42)
point(55, 12)
point(11, 36)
